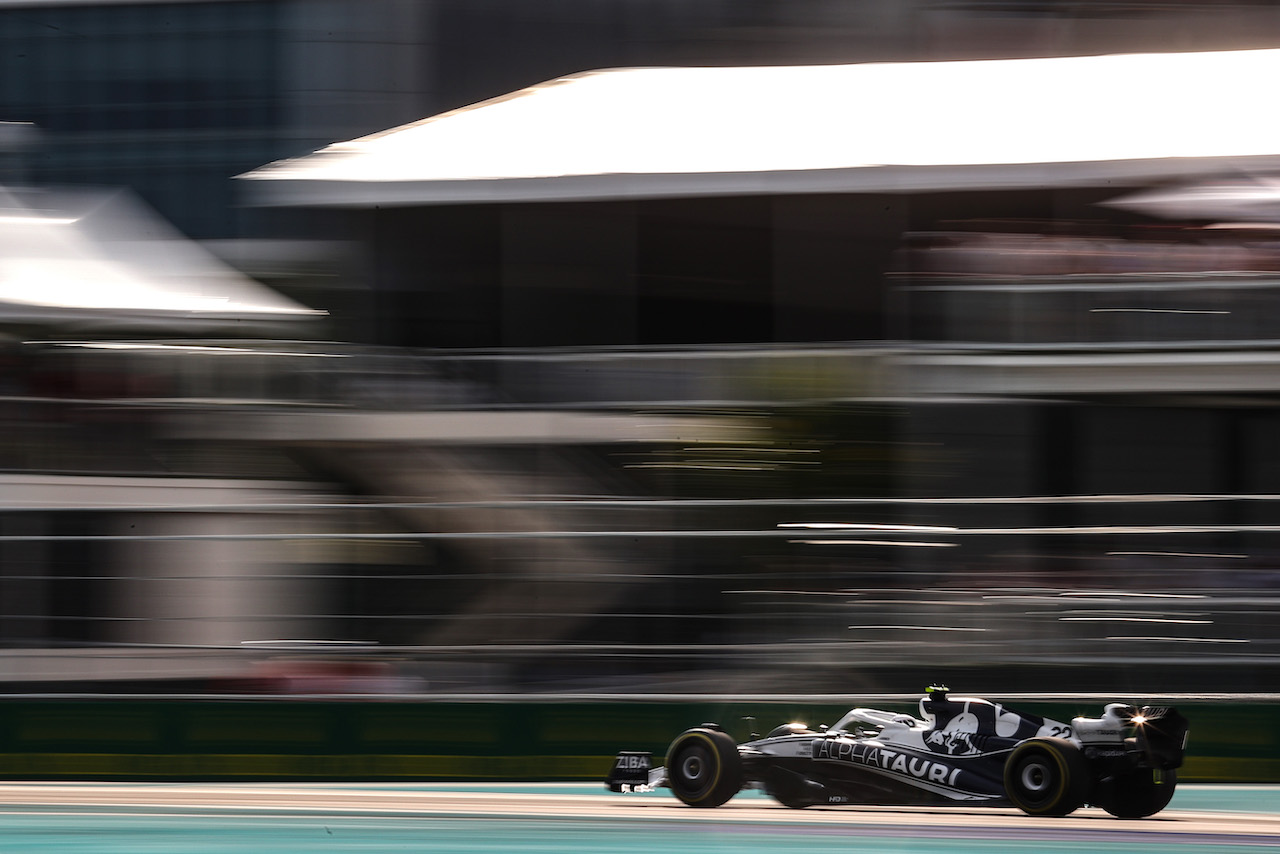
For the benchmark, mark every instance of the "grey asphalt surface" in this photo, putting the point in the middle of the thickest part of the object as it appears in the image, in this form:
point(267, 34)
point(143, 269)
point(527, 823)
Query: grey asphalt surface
point(51, 818)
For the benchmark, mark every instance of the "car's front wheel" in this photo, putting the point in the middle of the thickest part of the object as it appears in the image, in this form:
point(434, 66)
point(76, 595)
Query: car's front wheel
point(704, 768)
point(1047, 776)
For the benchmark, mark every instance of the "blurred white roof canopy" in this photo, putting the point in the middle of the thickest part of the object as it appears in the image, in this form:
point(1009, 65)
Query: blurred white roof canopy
point(100, 259)
point(1243, 199)
point(655, 132)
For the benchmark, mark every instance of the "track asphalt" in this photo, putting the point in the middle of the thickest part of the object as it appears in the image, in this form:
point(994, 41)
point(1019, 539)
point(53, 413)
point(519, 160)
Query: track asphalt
point(57, 818)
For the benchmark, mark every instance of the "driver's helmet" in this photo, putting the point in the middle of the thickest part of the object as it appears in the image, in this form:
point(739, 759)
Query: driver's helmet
point(935, 695)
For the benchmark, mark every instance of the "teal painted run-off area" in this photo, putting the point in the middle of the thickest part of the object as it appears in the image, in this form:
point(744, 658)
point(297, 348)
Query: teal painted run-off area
point(308, 835)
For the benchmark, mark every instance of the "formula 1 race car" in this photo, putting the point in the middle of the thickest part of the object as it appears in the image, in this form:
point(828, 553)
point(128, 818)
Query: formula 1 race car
point(962, 751)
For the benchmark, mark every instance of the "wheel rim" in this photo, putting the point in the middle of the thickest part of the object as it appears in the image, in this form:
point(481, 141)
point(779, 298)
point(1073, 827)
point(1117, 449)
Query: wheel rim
point(693, 766)
point(1035, 778)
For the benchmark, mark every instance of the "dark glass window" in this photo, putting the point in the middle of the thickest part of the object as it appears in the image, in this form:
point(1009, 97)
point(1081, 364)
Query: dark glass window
point(140, 95)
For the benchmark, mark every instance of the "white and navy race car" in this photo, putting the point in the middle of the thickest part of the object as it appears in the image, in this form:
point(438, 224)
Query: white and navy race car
point(961, 751)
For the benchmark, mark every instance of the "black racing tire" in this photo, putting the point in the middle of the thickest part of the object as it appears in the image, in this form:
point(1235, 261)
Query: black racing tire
point(1139, 793)
point(704, 768)
point(789, 789)
point(789, 801)
point(1047, 777)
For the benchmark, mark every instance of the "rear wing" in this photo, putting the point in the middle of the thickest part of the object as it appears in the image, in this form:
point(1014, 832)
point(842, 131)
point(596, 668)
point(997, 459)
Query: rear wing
point(1161, 736)
point(633, 771)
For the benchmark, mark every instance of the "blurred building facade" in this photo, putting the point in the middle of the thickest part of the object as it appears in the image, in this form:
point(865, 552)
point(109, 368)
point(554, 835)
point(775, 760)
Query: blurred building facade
point(174, 98)
point(573, 433)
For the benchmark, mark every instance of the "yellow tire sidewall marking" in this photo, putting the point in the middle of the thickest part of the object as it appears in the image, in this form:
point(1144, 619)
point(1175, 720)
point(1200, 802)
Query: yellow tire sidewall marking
point(1060, 761)
point(1063, 782)
point(702, 736)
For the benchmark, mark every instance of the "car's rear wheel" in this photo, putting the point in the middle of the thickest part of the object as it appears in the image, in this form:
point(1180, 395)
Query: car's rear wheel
point(791, 789)
point(704, 768)
point(1139, 793)
point(1046, 776)
point(789, 799)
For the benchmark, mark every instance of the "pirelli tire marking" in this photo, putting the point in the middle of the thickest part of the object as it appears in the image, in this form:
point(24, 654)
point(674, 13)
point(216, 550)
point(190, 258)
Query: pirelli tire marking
point(1046, 776)
point(704, 768)
point(691, 764)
